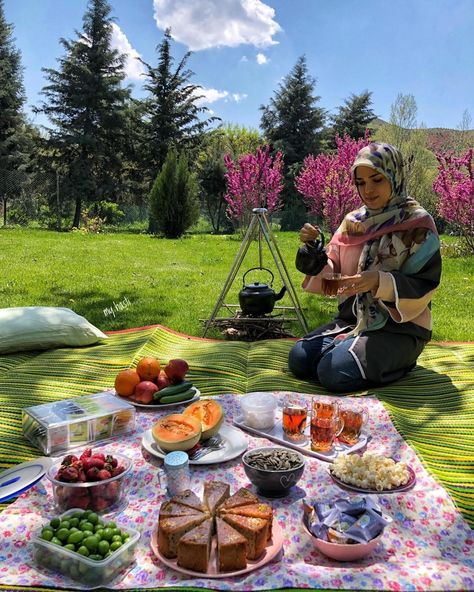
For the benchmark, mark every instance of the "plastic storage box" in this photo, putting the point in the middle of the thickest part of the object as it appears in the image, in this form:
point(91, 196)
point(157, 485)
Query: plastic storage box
point(57, 427)
point(79, 567)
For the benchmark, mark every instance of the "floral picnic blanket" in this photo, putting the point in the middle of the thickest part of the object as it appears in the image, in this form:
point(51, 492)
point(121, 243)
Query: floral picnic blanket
point(429, 546)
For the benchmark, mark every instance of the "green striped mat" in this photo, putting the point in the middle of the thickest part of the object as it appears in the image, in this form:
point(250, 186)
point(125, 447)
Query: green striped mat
point(433, 407)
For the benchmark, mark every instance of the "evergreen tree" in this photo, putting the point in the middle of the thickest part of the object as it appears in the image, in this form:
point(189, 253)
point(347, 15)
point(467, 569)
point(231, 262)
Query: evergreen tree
point(213, 186)
point(352, 118)
point(136, 188)
point(12, 97)
point(86, 103)
point(292, 123)
point(174, 201)
point(172, 116)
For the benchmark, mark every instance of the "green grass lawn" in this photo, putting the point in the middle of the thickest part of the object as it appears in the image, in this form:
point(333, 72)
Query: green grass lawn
point(176, 282)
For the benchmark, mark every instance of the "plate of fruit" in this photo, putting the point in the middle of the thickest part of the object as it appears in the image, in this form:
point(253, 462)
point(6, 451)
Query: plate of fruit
point(150, 386)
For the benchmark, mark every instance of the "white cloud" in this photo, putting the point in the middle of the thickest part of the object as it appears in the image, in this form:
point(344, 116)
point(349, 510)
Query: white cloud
point(211, 95)
point(133, 67)
point(203, 24)
point(239, 97)
point(261, 59)
point(244, 59)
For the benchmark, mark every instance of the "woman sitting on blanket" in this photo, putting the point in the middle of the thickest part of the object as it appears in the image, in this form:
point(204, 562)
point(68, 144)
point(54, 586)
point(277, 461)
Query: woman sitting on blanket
point(389, 254)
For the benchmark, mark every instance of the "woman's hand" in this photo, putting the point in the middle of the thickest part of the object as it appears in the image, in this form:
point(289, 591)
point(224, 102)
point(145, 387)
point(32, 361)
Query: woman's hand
point(367, 281)
point(309, 233)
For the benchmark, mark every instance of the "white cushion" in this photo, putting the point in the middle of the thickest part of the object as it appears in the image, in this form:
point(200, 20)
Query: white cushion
point(44, 327)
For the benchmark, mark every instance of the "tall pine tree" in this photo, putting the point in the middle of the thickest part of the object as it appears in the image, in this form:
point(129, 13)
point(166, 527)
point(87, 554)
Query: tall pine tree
point(86, 102)
point(12, 97)
point(292, 123)
point(173, 119)
point(352, 118)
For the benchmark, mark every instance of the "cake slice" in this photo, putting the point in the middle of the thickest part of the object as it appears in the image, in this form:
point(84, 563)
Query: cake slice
point(242, 497)
point(259, 510)
point(215, 492)
point(231, 549)
point(194, 548)
point(189, 498)
point(170, 531)
point(172, 508)
point(255, 530)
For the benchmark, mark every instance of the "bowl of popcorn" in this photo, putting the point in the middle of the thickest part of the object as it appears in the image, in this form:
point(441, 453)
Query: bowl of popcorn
point(371, 473)
point(345, 529)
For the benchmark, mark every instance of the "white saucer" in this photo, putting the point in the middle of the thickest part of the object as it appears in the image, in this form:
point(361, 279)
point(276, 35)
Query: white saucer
point(20, 478)
point(235, 444)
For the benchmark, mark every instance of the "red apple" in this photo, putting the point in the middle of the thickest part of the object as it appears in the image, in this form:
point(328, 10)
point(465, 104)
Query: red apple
point(162, 381)
point(176, 370)
point(144, 392)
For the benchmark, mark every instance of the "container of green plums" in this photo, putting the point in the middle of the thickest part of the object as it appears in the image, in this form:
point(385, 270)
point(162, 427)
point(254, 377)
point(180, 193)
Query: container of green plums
point(81, 545)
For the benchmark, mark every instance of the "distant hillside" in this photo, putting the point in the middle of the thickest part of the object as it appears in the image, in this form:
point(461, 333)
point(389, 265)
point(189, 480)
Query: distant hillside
point(439, 138)
point(442, 139)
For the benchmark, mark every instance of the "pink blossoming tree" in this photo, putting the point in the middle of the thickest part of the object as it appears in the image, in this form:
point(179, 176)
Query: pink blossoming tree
point(255, 181)
point(455, 187)
point(326, 184)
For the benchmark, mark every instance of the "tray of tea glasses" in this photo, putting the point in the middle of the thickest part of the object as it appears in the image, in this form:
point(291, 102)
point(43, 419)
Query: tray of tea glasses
point(276, 434)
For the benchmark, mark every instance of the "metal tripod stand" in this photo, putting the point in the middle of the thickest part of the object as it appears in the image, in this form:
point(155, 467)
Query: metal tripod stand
point(259, 228)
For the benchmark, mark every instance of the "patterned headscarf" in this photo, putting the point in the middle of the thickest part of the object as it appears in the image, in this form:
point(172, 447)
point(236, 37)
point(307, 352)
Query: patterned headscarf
point(386, 160)
point(400, 213)
point(389, 235)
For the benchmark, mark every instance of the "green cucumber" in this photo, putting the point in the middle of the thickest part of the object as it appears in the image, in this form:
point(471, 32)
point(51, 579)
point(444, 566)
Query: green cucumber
point(185, 396)
point(173, 389)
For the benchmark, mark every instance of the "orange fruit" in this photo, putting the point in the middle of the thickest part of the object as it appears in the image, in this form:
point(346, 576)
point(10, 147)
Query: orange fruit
point(126, 381)
point(148, 368)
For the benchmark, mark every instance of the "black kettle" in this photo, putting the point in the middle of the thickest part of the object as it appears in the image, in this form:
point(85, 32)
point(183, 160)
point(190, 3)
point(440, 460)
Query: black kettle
point(258, 299)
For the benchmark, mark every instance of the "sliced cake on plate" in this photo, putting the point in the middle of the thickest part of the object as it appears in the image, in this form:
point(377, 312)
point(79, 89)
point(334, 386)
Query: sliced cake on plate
point(194, 548)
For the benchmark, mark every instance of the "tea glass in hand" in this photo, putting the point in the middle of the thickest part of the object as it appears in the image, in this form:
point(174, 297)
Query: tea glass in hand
point(326, 424)
point(354, 420)
point(295, 413)
point(330, 283)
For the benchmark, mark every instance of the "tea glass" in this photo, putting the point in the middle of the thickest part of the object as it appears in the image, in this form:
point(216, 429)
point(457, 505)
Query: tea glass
point(326, 424)
point(295, 414)
point(325, 408)
point(330, 283)
point(354, 420)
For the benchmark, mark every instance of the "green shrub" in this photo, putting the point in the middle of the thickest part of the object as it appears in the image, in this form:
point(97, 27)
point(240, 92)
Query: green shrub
point(109, 212)
point(174, 204)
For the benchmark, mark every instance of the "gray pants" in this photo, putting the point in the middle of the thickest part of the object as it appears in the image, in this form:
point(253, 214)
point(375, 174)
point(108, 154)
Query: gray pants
point(355, 363)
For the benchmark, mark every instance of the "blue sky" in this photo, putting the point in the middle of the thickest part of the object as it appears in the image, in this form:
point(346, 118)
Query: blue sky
point(242, 49)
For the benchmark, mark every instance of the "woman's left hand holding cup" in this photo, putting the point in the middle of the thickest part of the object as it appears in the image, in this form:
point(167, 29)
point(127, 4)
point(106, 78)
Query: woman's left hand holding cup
point(367, 281)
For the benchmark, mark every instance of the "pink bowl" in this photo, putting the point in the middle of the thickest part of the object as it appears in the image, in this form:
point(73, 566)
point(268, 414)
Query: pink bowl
point(342, 552)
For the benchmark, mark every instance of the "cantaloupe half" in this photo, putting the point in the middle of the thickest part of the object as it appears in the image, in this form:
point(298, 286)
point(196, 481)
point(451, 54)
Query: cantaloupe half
point(210, 413)
point(177, 432)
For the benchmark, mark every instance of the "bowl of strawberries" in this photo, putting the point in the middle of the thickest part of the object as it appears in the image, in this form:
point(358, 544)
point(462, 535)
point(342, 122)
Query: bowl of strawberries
point(92, 480)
